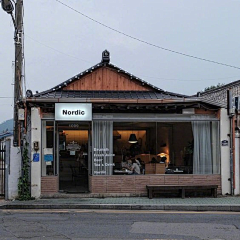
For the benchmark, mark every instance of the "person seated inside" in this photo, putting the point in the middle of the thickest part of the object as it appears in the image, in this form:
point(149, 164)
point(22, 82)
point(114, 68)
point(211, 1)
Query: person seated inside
point(135, 167)
point(127, 162)
point(141, 165)
point(163, 159)
point(124, 162)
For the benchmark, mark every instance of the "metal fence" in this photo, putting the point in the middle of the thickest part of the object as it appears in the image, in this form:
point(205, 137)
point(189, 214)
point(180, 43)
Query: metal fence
point(2, 167)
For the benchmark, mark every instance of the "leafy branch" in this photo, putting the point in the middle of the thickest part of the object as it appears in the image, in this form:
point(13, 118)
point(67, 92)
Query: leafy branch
point(23, 181)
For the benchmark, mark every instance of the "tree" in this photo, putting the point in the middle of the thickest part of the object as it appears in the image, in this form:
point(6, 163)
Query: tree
point(213, 86)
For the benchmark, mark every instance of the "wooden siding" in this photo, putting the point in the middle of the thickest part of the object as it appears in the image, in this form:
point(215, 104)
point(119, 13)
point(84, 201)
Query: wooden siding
point(136, 184)
point(106, 79)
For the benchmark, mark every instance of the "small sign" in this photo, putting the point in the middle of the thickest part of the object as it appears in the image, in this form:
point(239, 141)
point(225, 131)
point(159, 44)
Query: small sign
point(21, 114)
point(36, 157)
point(72, 153)
point(48, 157)
point(224, 142)
point(73, 146)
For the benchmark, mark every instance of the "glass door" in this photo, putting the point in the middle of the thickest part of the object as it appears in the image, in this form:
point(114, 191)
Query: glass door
point(73, 144)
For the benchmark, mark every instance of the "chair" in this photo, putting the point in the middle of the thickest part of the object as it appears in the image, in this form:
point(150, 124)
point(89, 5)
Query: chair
point(75, 175)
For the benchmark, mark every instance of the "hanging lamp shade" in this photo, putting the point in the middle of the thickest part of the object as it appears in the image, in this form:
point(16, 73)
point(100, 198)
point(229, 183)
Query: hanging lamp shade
point(132, 138)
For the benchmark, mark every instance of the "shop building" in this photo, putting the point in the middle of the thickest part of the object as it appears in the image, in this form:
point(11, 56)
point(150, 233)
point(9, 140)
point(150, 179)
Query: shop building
point(88, 132)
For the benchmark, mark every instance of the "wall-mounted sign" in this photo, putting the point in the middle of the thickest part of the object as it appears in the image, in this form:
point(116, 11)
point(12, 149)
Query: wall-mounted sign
point(36, 157)
point(224, 142)
point(48, 157)
point(73, 111)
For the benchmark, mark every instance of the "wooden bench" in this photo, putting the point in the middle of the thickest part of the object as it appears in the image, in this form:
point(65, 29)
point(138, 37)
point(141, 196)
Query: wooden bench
point(181, 188)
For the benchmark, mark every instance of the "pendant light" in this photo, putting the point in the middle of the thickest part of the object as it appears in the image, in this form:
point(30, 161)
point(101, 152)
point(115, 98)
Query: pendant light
point(132, 138)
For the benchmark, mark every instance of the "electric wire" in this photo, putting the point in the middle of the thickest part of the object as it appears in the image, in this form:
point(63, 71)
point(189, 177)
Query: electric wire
point(173, 79)
point(145, 42)
point(191, 80)
point(47, 46)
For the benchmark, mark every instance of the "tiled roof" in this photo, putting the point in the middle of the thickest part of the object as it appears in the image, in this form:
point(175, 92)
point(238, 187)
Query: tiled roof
point(6, 134)
point(108, 94)
point(218, 96)
point(105, 64)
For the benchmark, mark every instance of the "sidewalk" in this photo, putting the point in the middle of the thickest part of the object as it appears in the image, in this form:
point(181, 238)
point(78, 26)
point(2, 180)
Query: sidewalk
point(228, 203)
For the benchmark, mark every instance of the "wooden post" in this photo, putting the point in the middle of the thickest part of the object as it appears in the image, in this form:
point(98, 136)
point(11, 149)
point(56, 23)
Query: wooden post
point(18, 95)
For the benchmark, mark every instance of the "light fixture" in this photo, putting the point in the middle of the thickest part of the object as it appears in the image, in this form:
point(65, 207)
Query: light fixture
point(132, 138)
point(162, 154)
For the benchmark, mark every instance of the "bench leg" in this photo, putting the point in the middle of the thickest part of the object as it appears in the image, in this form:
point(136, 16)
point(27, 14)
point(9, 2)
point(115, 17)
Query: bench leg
point(183, 192)
point(214, 192)
point(150, 194)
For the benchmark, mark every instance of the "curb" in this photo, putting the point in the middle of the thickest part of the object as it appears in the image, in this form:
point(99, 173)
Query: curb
point(228, 208)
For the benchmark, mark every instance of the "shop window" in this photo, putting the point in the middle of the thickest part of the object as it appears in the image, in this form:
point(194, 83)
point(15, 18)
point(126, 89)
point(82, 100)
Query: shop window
point(48, 148)
point(205, 147)
point(166, 148)
point(102, 148)
point(124, 148)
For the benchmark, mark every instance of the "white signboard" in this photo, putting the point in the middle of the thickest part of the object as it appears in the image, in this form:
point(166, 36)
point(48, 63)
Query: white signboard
point(73, 111)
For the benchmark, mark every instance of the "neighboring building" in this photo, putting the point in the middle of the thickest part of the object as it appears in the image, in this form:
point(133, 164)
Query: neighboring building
point(10, 166)
point(231, 101)
point(84, 130)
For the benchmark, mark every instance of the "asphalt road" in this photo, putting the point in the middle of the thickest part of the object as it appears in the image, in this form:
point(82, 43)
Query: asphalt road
point(106, 224)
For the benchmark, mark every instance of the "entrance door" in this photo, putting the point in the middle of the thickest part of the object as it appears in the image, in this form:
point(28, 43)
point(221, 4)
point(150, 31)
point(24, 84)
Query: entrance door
point(73, 157)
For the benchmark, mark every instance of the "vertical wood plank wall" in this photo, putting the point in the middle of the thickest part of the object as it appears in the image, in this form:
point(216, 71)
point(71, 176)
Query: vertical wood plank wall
point(106, 79)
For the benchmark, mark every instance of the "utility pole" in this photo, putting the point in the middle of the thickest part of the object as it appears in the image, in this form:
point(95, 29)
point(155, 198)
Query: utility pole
point(18, 94)
point(8, 7)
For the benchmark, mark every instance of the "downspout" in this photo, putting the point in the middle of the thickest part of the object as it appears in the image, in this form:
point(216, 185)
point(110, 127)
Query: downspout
point(233, 150)
point(231, 113)
point(231, 154)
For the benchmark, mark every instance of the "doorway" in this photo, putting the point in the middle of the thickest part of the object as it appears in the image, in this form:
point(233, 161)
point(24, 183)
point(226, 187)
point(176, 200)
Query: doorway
point(73, 156)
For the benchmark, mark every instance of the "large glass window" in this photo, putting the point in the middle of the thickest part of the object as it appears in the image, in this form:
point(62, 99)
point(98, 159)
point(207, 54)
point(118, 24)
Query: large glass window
point(48, 162)
point(155, 147)
point(102, 148)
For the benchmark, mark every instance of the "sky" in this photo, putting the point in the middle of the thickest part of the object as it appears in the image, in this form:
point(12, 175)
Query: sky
point(60, 43)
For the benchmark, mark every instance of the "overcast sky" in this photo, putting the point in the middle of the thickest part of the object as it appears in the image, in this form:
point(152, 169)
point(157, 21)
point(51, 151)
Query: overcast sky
point(60, 42)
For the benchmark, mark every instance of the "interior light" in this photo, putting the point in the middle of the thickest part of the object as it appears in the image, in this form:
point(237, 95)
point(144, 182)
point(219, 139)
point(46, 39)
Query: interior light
point(132, 138)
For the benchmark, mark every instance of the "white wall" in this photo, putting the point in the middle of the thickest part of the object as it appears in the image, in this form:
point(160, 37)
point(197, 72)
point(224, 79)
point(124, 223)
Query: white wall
point(13, 170)
point(35, 166)
point(225, 152)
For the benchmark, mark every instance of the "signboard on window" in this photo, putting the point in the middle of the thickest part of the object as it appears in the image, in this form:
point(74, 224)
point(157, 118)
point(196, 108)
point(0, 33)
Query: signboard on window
point(73, 111)
point(224, 142)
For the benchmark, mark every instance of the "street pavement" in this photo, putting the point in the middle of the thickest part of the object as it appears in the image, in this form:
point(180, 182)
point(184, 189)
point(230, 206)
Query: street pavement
point(222, 203)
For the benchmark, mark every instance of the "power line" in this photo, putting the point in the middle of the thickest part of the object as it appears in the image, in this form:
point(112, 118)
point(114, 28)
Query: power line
point(171, 79)
point(191, 80)
point(55, 49)
point(145, 42)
